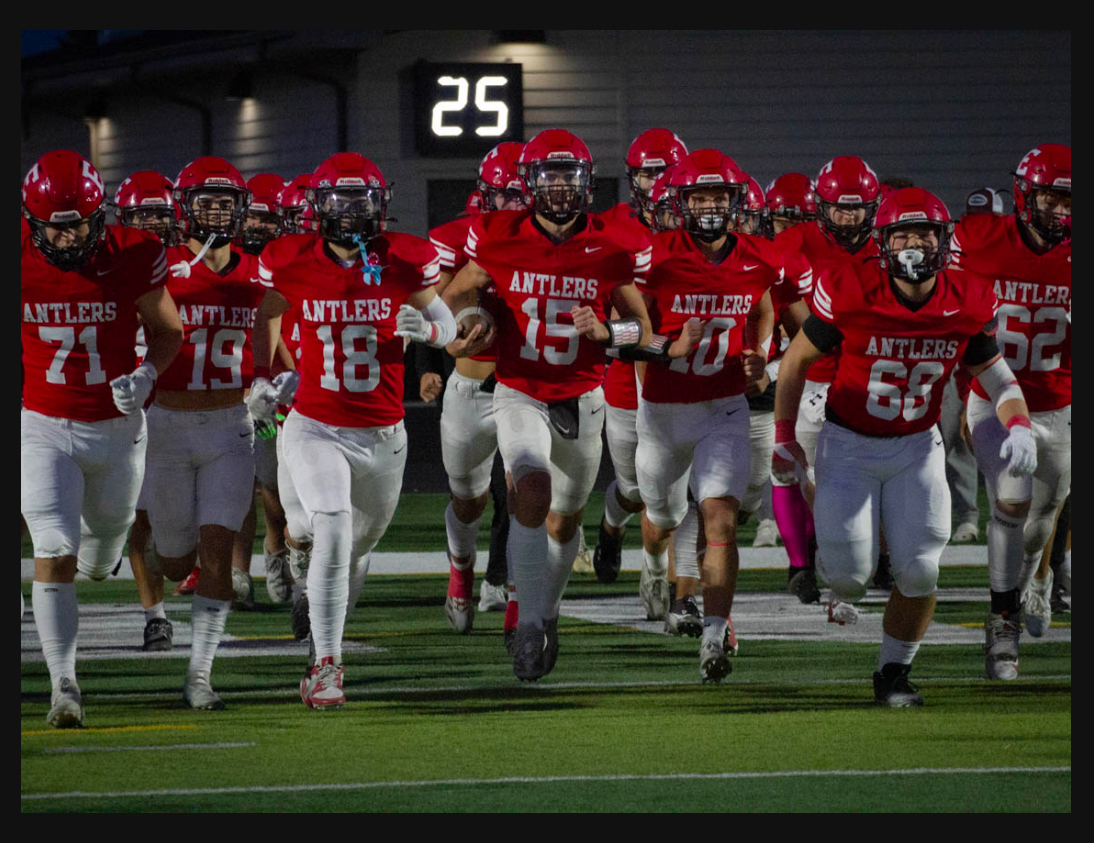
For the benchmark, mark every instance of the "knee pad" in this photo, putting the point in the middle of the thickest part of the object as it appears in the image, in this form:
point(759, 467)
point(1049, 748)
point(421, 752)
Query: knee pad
point(1039, 526)
point(52, 543)
point(846, 572)
point(97, 557)
point(917, 579)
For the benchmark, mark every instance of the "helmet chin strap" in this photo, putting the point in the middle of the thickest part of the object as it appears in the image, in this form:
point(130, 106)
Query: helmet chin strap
point(182, 268)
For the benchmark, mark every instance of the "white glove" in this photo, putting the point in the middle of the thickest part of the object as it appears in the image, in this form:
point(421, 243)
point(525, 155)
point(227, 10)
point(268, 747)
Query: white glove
point(1020, 450)
point(263, 400)
point(286, 384)
point(412, 324)
point(132, 390)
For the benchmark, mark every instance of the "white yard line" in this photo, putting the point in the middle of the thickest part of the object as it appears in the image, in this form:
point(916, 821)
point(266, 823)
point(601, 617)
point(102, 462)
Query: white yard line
point(781, 774)
point(62, 750)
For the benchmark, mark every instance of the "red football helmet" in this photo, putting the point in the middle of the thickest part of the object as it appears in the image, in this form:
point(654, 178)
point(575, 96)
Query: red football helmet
point(922, 228)
point(292, 201)
point(64, 192)
point(650, 153)
point(350, 198)
point(845, 186)
point(1045, 175)
point(707, 190)
point(263, 222)
point(214, 199)
point(751, 216)
point(790, 200)
point(558, 172)
point(146, 201)
point(658, 203)
point(473, 206)
point(499, 176)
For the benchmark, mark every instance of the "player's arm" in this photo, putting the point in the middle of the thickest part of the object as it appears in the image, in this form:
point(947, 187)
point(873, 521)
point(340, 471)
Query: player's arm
point(986, 364)
point(426, 318)
point(265, 395)
point(163, 327)
point(816, 339)
point(164, 334)
point(461, 295)
point(757, 339)
point(793, 316)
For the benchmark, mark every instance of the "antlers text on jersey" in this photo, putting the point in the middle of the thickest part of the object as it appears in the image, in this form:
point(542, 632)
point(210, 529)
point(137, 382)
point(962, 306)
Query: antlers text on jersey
point(70, 313)
point(1031, 292)
point(341, 310)
point(912, 348)
point(712, 305)
point(553, 286)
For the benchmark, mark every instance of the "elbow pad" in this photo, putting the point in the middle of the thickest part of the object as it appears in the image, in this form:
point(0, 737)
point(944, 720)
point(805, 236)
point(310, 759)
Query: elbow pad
point(999, 382)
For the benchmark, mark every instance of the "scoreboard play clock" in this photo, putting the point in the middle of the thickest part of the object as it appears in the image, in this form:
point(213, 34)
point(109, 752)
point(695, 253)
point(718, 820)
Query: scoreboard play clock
point(464, 110)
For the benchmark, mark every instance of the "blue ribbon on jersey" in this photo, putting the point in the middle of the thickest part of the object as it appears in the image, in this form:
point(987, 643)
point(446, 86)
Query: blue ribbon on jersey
point(371, 271)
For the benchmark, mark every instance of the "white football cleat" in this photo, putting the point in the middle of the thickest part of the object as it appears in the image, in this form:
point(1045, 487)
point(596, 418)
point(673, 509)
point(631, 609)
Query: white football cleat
point(279, 581)
point(583, 562)
point(321, 687)
point(199, 694)
point(767, 534)
point(842, 613)
point(66, 709)
point(459, 603)
point(493, 598)
point(653, 588)
point(1038, 605)
point(243, 591)
point(1001, 647)
point(714, 664)
point(969, 531)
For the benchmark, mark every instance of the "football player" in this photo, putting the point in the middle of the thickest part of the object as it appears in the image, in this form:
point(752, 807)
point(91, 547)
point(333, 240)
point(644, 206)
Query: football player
point(200, 453)
point(558, 272)
point(790, 201)
point(469, 439)
point(709, 292)
point(901, 323)
point(847, 195)
point(358, 291)
point(145, 201)
point(649, 155)
point(82, 427)
point(1028, 255)
point(292, 206)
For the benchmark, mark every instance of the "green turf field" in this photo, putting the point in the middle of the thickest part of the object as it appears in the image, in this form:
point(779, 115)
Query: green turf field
point(436, 722)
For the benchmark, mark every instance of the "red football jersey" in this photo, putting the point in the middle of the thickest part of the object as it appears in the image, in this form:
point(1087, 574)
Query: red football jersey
point(351, 362)
point(1034, 294)
point(825, 257)
point(79, 328)
point(894, 362)
point(539, 282)
point(449, 240)
point(684, 284)
point(620, 386)
point(218, 315)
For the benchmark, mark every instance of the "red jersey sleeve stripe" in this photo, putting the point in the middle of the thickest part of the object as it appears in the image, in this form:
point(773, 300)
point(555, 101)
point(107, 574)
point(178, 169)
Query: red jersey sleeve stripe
point(822, 303)
point(431, 273)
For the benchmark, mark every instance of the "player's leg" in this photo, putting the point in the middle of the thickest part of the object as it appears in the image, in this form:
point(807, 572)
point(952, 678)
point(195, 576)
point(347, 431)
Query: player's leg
point(1051, 486)
point(275, 552)
point(757, 499)
point(666, 443)
point(574, 466)
point(243, 589)
point(314, 456)
point(915, 506)
point(51, 492)
point(961, 472)
point(298, 542)
point(719, 478)
point(793, 514)
point(683, 616)
point(1059, 551)
point(524, 438)
point(171, 491)
point(622, 498)
point(158, 631)
point(1009, 499)
point(468, 445)
point(849, 495)
point(494, 591)
point(222, 451)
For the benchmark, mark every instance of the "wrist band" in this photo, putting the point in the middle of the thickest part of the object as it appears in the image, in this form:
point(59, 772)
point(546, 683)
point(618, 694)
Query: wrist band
point(1019, 421)
point(784, 431)
point(623, 333)
point(262, 372)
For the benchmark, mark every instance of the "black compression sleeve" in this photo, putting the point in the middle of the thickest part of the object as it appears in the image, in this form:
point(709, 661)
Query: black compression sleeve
point(824, 335)
point(980, 349)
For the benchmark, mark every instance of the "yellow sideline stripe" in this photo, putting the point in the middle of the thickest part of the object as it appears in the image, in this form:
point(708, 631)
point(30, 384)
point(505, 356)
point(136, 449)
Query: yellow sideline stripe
point(110, 730)
point(979, 624)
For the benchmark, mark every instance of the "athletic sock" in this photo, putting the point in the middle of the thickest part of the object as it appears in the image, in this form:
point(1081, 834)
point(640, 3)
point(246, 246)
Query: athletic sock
point(527, 553)
point(57, 620)
point(358, 570)
point(560, 561)
point(154, 612)
point(686, 543)
point(714, 628)
point(1005, 550)
point(512, 612)
point(614, 514)
point(207, 619)
point(791, 514)
point(658, 564)
point(896, 651)
point(461, 537)
point(328, 582)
